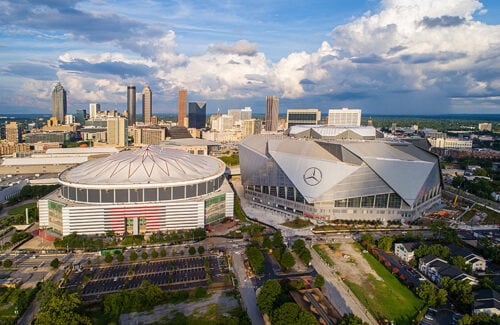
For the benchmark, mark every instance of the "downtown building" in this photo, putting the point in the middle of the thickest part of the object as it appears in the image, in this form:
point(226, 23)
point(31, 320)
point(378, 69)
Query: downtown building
point(59, 103)
point(131, 104)
point(147, 104)
point(137, 191)
point(355, 180)
point(272, 110)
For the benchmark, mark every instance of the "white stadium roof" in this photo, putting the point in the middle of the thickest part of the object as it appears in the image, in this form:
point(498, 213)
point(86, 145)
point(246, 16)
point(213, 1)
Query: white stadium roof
point(150, 166)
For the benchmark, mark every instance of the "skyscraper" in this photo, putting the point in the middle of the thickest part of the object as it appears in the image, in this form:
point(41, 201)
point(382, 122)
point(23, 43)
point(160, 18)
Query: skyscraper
point(80, 116)
point(13, 132)
point(131, 104)
point(197, 115)
point(182, 103)
point(272, 108)
point(246, 113)
point(117, 132)
point(147, 104)
point(59, 104)
point(93, 109)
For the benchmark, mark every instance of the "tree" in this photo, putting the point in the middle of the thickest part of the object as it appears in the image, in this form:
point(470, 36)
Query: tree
point(460, 292)
point(120, 257)
point(461, 263)
point(268, 295)
point(287, 260)
point(59, 307)
point(144, 255)
point(154, 253)
point(192, 250)
point(266, 242)
point(201, 250)
point(255, 258)
point(291, 313)
point(427, 292)
point(133, 256)
point(350, 319)
point(368, 238)
point(200, 292)
point(319, 281)
point(108, 258)
point(7, 263)
point(479, 319)
point(54, 263)
point(385, 243)
point(163, 252)
point(278, 239)
point(298, 246)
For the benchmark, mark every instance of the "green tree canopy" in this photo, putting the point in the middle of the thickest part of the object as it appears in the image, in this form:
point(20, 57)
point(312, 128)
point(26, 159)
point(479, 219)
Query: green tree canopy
point(60, 307)
point(133, 256)
point(319, 281)
point(287, 260)
point(192, 250)
point(291, 313)
point(385, 243)
point(54, 263)
point(350, 319)
point(268, 295)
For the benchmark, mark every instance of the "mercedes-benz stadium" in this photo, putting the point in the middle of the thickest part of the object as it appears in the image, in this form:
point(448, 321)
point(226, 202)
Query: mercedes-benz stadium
point(348, 180)
point(137, 191)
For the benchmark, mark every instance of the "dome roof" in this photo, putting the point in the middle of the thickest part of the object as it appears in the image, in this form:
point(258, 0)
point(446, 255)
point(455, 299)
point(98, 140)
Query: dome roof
point(152, 166)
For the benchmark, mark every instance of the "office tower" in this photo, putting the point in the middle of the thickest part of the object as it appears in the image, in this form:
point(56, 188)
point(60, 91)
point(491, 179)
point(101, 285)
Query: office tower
point(222, 123)
point(13, 132)
point(131, 104)
point(117, 133)
point(154, 120)
point(147, 104)
point(69, 119)
point(306, 116)
point(251, 126)
point(182, 104)
point(344, 117)
point(272, 108)
point(80, 116)
point(93, 109)
point(236, 114)
point(149, 135)
point(59, 103)
point(246, 113)
point(197, 115)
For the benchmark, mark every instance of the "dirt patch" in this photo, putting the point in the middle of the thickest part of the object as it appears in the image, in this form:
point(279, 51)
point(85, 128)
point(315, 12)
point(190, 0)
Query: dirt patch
point(350, 264)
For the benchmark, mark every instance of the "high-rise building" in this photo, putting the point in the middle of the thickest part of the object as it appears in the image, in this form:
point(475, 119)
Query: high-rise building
point(117, 131)
point(69, 119)
point(251, 126)
point(59, 103)
point(306, 116)
point(131, 104)
point(223, 123)
point(93, 109)
point(13, 132)
point(246, 113)
point(149, 135)
point(197, 115)
point(182, 104)
point(344, 117)
point(236, 114)
point(147, 104)
point(80, 116)
point(272, 109)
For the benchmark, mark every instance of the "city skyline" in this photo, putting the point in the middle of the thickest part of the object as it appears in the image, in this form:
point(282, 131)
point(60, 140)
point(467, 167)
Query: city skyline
point(385, 57)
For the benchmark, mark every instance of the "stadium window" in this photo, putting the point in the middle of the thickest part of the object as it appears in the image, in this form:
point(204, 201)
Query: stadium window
point(394, 201)
point(381, 201)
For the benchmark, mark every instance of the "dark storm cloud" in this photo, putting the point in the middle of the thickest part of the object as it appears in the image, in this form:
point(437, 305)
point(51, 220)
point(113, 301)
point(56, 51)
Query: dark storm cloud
point(441, 57)
point(63, 16)
point(443, 21)
point(31, 70)
point(122, 69)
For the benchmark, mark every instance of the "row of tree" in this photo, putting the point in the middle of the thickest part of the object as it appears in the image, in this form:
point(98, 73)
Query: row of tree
point(299, 248)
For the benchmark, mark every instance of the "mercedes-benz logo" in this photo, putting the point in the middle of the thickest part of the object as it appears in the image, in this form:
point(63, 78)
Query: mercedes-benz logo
point(312, 176)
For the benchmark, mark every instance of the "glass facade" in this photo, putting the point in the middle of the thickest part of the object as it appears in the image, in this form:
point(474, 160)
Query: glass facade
point(142, 195)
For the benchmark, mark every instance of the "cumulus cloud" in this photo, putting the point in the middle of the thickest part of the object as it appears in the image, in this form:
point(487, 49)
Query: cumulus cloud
point(242, 47)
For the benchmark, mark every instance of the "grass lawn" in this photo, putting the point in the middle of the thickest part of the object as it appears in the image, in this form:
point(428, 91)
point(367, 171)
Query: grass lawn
point(388, 298)
point(21, 209)
point(297, 223)
point(468, 215)
point(324, 256)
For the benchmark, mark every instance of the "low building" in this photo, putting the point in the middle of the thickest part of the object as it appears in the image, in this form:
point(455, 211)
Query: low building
point(436, 269)
point(477, 263)
point(330, 132)
point(486, 301)
point(405, 251)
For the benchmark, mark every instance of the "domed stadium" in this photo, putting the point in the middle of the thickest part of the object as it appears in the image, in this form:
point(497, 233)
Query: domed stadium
point(137, 191)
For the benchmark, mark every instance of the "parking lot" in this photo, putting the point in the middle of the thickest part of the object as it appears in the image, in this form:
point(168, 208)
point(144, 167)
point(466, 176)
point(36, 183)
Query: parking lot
point(167, 273)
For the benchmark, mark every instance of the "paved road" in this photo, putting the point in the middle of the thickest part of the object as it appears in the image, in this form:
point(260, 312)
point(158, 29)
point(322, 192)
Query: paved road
point(338, 293)
point(247, 290)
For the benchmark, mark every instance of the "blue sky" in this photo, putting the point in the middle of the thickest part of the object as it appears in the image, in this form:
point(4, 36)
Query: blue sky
point(385, 57)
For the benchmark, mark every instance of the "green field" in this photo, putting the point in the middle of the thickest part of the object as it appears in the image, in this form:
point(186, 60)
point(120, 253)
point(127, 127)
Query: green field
point(388, 299)
point(297, 223)
point(21, 209)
